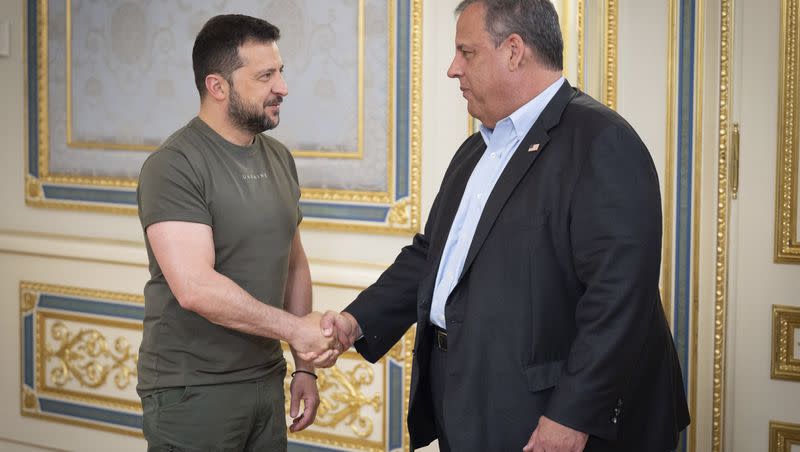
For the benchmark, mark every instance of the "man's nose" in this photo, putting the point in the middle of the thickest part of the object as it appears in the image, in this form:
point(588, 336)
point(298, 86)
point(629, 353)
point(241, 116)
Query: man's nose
point(280, 87)
point(454, 71)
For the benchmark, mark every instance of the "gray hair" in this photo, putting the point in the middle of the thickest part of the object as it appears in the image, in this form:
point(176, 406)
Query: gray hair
point(536, 21)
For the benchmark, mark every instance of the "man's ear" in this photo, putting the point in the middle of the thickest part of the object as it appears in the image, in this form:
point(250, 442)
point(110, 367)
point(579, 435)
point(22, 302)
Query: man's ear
point(516, 47)
point(217, 87)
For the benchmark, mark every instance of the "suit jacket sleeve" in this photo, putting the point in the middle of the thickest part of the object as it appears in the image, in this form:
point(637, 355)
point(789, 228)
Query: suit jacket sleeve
point(386, 309)
point(615, 234)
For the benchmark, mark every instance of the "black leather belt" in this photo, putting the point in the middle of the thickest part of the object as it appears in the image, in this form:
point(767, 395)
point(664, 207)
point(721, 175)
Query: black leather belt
point(439, 338)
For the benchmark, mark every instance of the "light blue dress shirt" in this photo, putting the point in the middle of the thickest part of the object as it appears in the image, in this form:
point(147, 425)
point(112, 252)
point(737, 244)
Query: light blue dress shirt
point(500, 145)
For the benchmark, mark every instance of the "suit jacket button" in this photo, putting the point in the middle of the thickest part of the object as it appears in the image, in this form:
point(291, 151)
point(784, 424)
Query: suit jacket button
point(614, 420)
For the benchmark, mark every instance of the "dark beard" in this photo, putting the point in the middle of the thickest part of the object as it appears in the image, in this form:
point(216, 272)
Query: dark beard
point(248, 119)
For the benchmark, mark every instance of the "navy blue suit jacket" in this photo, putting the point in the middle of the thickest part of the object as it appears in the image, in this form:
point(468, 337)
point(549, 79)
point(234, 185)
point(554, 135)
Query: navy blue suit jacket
point(557, 311)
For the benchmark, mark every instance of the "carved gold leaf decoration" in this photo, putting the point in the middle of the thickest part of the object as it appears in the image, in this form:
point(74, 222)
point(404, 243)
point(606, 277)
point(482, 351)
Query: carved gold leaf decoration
point(28, 301)
point(28, 399)
point(342, 399)
point(34, 189)
point(86, 357)
point(785, 320)
point(398, 215)
point(397, 352)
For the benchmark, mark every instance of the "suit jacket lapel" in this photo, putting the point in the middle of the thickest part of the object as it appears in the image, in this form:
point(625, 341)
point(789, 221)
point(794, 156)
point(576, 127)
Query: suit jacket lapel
point(517, 167)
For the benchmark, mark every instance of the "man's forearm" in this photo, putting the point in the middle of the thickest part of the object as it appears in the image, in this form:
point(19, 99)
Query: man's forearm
point(221, 301)
point(297, 299)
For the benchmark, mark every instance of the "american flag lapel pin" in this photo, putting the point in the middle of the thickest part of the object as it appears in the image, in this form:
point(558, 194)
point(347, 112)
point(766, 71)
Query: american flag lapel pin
point(533, 147)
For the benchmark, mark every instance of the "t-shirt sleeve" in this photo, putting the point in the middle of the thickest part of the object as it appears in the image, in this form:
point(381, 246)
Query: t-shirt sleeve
point(293, 167)
point(171, 190)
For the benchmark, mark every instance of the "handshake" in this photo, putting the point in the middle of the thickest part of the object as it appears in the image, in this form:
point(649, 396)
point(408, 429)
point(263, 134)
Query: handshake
point(320, 338)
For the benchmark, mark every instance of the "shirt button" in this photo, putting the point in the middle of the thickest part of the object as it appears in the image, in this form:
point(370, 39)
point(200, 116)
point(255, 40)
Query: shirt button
point(479, 196)
point(494, 155)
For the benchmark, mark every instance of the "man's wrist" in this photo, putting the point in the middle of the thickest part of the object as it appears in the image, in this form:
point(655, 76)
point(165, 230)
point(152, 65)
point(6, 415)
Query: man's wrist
point(356, 328)
point(294, 326)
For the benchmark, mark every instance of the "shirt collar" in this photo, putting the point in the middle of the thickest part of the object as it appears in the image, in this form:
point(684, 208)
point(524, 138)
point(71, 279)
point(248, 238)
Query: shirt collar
point(525, 116)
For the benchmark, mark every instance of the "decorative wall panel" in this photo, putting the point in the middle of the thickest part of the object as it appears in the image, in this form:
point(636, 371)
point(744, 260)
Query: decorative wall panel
point(786, 342)
point(80, 350)
point(787, 243)
point(784, 437)
point(109, 81)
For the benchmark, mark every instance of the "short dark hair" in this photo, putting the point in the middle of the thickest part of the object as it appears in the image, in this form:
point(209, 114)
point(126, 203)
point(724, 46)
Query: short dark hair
point(536, 21)
point(216, 48)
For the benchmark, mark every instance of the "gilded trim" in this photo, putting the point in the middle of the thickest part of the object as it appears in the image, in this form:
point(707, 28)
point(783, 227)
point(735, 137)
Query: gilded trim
point(37, 183)
point(43, 114)
point(787, 248)
point(785, 321)
point(782, 436)
point(415, 154)
point(698, 171)
point(67, 356)
point(723, 215)
point(669, 162)
point(566, 34)
point(401, 353)
point(357, 154)
point(611, 32)
point(30, 396)
point(27, 286)
point(321, 194)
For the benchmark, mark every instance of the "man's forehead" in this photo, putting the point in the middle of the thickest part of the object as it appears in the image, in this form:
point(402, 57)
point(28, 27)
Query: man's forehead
point(260, 53)
point(471, 23)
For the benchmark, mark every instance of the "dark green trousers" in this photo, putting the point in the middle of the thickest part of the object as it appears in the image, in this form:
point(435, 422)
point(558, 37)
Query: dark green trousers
point(247, 416)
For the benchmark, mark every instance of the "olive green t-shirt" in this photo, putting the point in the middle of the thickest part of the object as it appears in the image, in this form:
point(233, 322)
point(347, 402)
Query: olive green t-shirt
point(249, 196)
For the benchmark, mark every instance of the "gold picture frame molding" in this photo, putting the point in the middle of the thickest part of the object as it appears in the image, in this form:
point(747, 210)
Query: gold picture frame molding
point(404, 214)
point(357, 154)
point(785, 321)
point(787, 248)
point(782, 436)
point(29, 292)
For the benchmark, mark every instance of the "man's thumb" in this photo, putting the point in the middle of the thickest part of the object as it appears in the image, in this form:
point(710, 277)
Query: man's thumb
point(327, 323)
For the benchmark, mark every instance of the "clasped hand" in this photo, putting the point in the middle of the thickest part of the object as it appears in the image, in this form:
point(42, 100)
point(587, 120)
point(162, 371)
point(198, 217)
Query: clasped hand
point(320, 339)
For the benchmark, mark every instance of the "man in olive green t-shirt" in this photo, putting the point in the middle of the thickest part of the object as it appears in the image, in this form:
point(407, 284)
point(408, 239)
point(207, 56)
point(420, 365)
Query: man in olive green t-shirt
point(229, 278)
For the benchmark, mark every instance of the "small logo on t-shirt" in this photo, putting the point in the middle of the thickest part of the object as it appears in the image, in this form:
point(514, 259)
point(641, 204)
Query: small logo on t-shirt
point(254, 176)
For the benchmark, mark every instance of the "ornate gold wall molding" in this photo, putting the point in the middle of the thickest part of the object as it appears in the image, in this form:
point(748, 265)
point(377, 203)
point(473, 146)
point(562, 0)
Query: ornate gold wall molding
point(723, 214)
point(78, 355)
point(787, 248)
point(785, 356)
point(696, 240)
point(348, 401)
point(611, 32)
point(80, 351)
point(782, 436)
point(669, 161)
point(395, 210)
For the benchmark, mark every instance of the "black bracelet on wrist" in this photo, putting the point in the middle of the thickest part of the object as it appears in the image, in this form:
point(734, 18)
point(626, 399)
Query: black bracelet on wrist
point(304, 372)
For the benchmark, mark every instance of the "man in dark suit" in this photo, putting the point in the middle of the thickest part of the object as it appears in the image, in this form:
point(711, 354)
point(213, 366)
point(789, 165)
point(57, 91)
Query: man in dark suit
point(535, 283)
